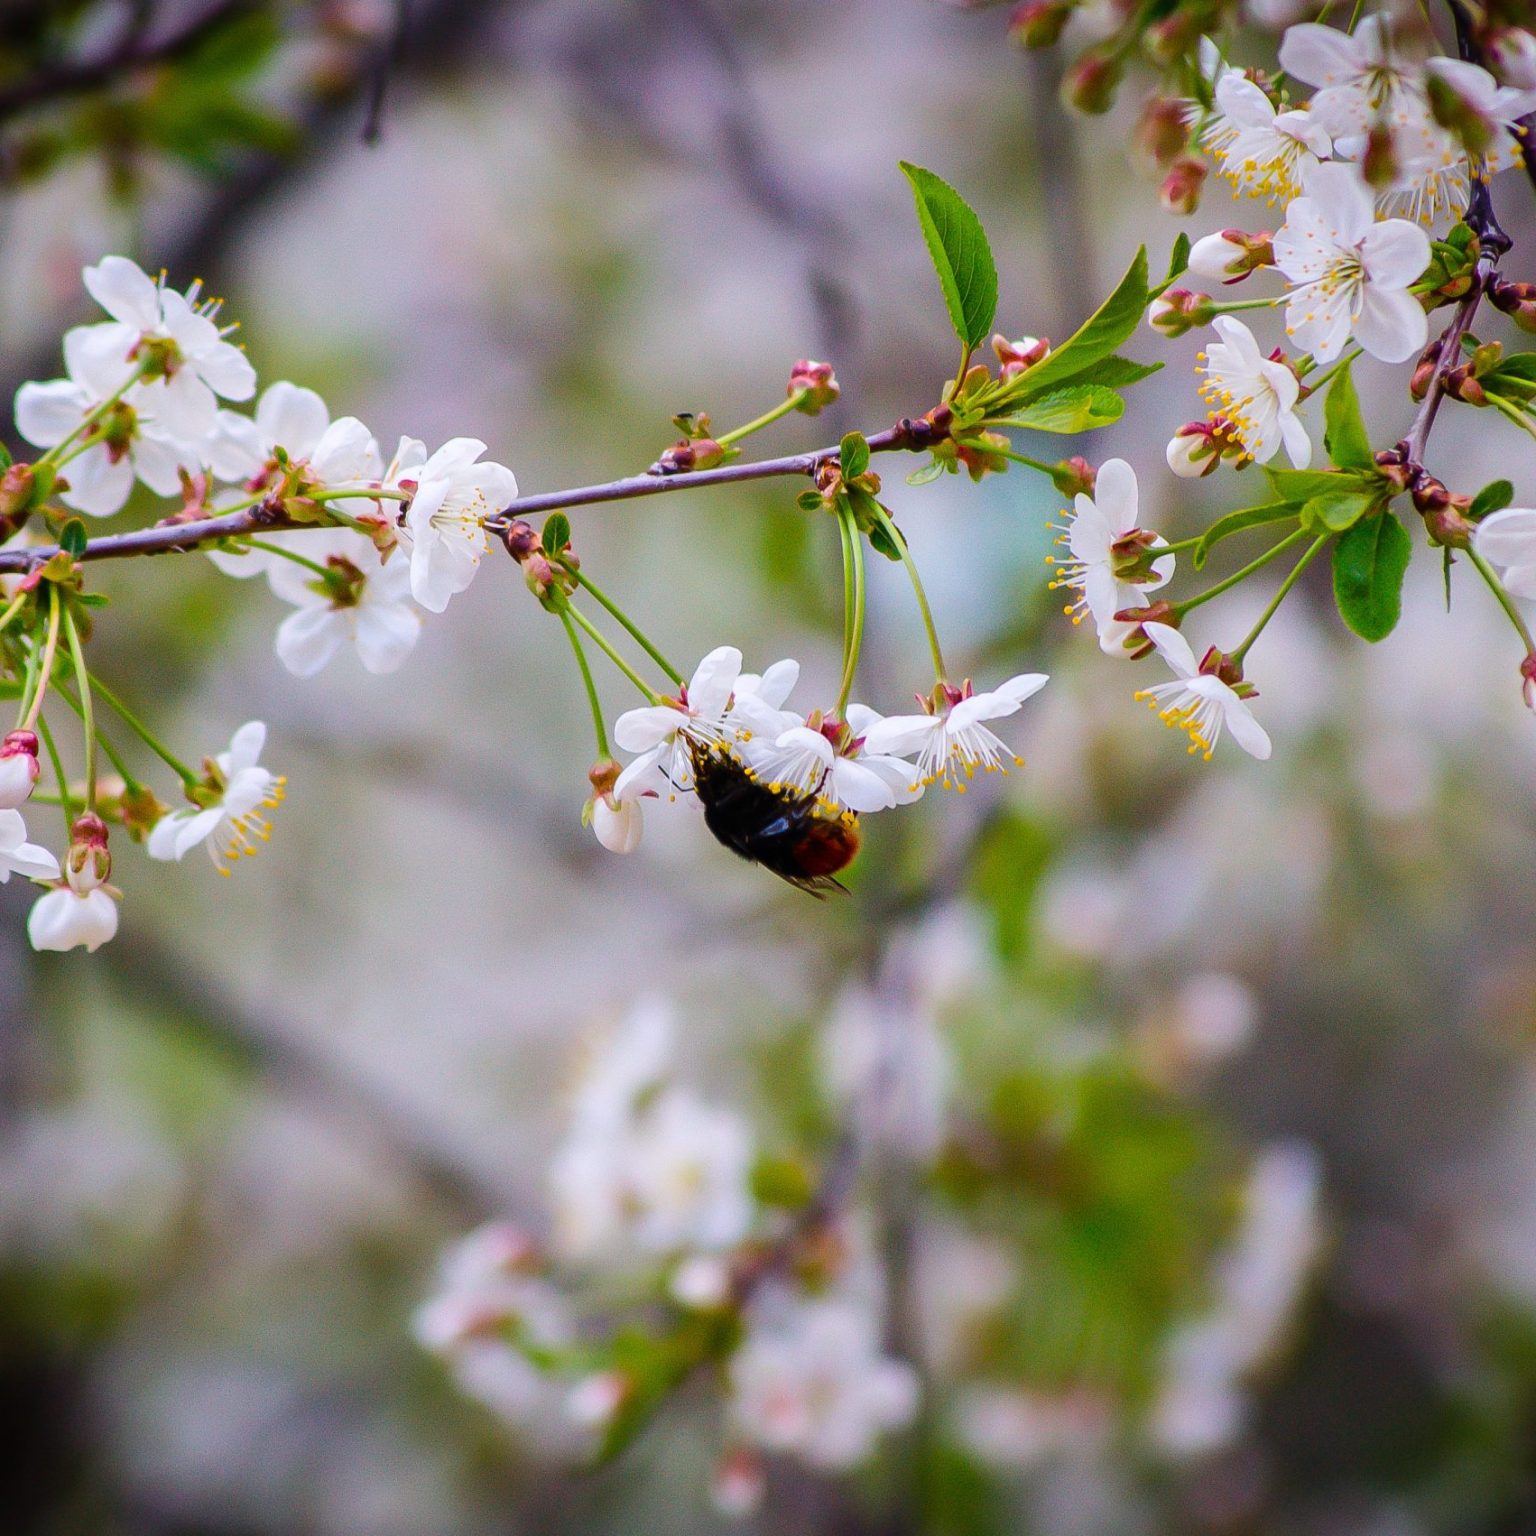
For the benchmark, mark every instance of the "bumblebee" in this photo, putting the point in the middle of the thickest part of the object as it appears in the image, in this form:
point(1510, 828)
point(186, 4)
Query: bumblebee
point(783, 829)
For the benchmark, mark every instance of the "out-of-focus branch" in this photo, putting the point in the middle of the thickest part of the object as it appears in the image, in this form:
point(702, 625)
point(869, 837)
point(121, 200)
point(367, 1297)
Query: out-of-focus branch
point(134, 50)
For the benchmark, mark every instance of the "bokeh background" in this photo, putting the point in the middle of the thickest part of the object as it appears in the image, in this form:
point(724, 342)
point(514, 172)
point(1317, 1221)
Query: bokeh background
point(234, 1141)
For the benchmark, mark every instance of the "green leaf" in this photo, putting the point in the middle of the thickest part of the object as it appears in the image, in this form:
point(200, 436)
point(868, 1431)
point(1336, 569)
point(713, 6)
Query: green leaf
point(961, 255)
point(853, 455)
point(1514, 377)
point(1114, 320)
point(1078, 409)
point(5, 457)
point(1344, 434)
point(1303, 484)
point(929, 472)
point(1336, 510)
point(1116, 372)
point(810, 501)
point(1178, 258)
point(1493, 497)
point(1369, 563)
point(72, 538)
point(882, 543)
point(556, 534)
point(1235, 522)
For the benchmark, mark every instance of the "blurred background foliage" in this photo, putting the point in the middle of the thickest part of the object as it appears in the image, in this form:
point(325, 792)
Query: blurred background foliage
point(233, 1142)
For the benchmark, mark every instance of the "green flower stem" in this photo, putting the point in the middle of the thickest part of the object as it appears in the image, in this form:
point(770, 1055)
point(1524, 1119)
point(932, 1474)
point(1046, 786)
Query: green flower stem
point(1506, 602)
point(1231, 581)
point(767, 419)
point(1280, 595)
point(34, 707)
point(87, 709)
point(58, 773)
point(894, 534)
point(27, 676)
point(631, 628)
point(966, 353)
point(853, 617)
point(598, 728)
point(1232, 306)
point(360, 493)
point(15, 606)
point(601, 642)
point(1019, 458)
point(287, 554)
point(1341, 363)
point(146, 735)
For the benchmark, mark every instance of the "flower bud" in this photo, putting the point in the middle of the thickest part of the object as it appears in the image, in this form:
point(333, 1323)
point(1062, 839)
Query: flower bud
point(1038, 23)
point(1444, 514)
point(1074, 476)
point(1379, 164)
point(88, 862)
point(1163, 132)
point(1194, 450)
point(617, 824)
point(1461, 384)
point(1170, 39)
point(1517, 300)
point(818, 384)
point(1178, 310)
point(522, 540)
point(1394, 468)
point(1018, 356)
point(1232, 254)
point(1424, 370)
point(1090, 84)
point(18, 768)
point(1180, 191)
point(1511, 55)
point(17, 486)
point(1528, 680)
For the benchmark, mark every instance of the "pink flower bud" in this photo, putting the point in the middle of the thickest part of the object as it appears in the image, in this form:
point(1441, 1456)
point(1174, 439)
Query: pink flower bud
point(1038, 23)
point(1017, 356)
point(1163, 132)
point(1179, 310)
point(1180, 191)
point(819, 383)
point(1090, 84)
point(18, 768)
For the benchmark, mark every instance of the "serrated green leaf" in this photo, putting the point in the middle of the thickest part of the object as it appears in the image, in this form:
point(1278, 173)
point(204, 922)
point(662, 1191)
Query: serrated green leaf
point(810, 501)
point(1493, 497)
point(556, 534)
point(1344, 434)
point(1078, 409)
point(960, 252)
point(853, 455)
point(1178, 259)
point(73, 538)
point(1114, 320)
point(1369, 562)
point(1116, 372)
point(929, 472)
point(1336, 510)
point(1236, 522)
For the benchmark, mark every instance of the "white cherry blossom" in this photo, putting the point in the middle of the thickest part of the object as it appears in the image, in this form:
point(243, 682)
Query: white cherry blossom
point(452, 495)
point(1508, 538)
point(1256, 395)
point(1361, 78)
point(1350, 274)
point(65, 918)
point(831, 760)
point(18, 856)
point(193, 363)
point(232, 823)
point(1095, 525)
point(811, 1380)
point(1197, 703)
point(1264, 152)
point(953, 741)
point(360, 602)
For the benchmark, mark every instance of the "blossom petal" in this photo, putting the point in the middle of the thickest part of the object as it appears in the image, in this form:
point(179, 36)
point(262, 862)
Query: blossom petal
point(638, 730)
point(1394, 253)
point(47, 413)
point(901, 735)
point(1319, 55)
point(386, 634)
point(97, 486)
point(710, 687)
point(309, 637)
point(1508, 537)
point(1391, 326)
point(1115, 495)
point(124, 291)
point(1173, 648)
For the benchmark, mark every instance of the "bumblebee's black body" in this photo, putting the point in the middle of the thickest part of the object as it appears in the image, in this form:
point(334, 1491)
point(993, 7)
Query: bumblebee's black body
point(784, 831)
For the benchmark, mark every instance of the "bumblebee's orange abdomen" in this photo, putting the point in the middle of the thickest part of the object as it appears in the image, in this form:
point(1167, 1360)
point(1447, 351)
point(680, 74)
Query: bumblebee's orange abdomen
point(825, 847)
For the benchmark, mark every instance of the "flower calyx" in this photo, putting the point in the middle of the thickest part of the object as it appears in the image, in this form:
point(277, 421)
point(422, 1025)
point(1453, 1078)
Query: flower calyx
point(1136, 643)
point(1517, 300)
point(1444, 513)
